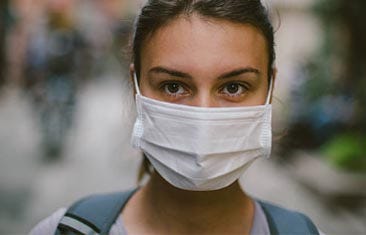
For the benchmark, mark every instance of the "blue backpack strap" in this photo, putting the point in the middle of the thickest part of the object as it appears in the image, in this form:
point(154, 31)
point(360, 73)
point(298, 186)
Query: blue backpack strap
point(93, 215)
point(285, 222)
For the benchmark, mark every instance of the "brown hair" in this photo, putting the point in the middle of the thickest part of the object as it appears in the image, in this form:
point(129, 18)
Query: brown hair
point(157, 13)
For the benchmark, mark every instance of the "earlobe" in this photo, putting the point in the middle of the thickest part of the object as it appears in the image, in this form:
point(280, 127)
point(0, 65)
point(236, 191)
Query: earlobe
point(274, 73)
point(132, 71)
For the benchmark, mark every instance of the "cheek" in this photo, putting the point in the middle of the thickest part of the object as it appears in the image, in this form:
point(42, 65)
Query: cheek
point(145, 88)
point(263, 93)
point(257, 97)
point(261, 98)
point(150, 90)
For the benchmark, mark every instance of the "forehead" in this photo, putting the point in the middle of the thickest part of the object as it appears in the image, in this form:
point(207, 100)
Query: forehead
point(198, 44)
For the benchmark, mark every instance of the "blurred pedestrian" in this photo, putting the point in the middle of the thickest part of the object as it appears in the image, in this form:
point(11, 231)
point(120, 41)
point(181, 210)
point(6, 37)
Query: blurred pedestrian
point(56, 58)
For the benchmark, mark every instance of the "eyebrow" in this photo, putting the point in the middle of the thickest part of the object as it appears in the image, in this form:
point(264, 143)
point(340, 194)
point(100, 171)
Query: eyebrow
point(171, 72)
point(238, 72)
point(180, 74)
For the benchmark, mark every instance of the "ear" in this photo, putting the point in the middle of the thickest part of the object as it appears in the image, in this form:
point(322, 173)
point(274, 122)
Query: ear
point(274, 77)
point(132, 71)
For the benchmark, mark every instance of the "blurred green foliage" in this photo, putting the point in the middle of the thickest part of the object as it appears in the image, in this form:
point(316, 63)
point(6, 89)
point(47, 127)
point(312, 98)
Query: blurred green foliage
point(332, 97)
point(347, 151)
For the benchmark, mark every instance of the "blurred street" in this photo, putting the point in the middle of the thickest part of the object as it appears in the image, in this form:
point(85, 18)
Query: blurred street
point(98, 158)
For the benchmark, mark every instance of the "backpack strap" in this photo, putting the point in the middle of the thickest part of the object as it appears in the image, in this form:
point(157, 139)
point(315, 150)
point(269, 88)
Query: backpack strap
point(283, 221)
point(93, 215)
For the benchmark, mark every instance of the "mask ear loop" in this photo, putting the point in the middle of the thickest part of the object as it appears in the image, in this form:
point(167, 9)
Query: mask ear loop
point(269, 91)
point(136, 84)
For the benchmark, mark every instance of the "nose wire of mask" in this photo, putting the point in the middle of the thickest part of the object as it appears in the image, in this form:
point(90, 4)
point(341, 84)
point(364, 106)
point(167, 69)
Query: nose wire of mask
point(197, 148)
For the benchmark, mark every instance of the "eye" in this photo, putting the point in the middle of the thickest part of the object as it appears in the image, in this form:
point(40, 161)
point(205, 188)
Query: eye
point(173, 88)
point(234, 89)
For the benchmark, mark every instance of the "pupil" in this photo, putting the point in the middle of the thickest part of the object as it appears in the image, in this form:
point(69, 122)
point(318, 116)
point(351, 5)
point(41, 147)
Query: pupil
point(173, 88)
point(233, 88)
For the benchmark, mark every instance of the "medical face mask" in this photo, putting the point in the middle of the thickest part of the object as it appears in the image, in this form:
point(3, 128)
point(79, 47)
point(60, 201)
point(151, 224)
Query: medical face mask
point(199, 148)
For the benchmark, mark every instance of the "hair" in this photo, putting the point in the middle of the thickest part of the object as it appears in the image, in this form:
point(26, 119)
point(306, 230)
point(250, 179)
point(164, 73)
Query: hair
point(158, 13)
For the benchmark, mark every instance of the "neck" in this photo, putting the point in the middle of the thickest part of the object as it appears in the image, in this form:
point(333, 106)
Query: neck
point(163, 192)
point(224, 211)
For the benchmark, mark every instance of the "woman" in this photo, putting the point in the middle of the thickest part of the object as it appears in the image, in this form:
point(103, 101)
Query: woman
point(203, 72)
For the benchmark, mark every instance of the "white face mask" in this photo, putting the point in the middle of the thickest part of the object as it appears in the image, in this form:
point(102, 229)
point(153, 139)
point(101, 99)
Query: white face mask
point(198, 148)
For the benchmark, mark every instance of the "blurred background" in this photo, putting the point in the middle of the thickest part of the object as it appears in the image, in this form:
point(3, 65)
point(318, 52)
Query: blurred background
point(66, 109)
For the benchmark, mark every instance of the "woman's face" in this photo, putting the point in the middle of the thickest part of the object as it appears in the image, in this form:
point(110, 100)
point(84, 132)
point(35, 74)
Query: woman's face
point(205, 62)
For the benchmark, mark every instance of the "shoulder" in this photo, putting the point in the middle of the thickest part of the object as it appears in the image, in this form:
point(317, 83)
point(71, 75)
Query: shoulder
point(281, 220)
point(97, 212)
point(48, 225)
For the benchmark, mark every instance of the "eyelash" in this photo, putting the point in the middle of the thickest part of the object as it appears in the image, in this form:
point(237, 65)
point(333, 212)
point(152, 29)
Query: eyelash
point(164, 86)
point(244, 87)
